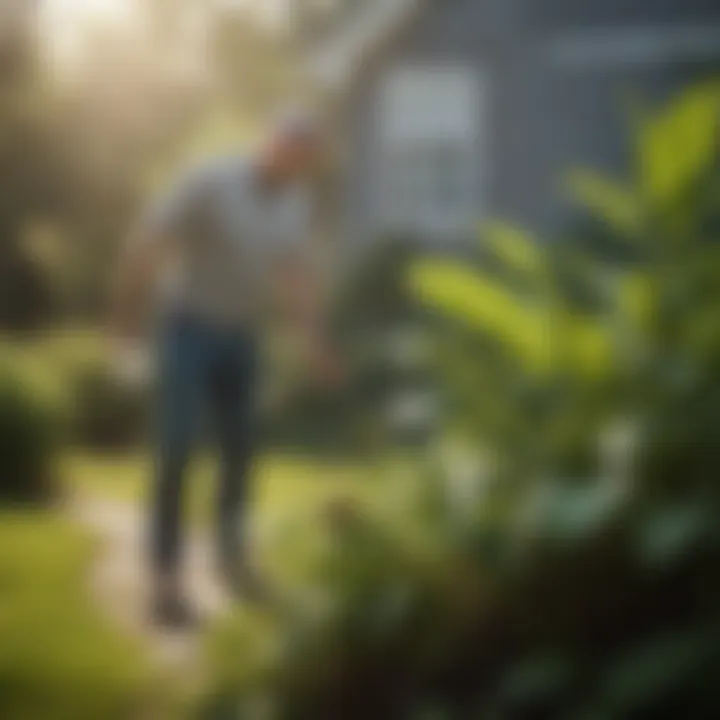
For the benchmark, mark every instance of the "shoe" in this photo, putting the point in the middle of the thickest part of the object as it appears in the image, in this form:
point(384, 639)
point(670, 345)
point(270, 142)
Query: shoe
point(247, 584)
point(173, 612)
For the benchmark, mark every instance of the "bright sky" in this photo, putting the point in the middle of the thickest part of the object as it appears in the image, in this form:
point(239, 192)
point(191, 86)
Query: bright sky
point(68, 12)
point(64, 21)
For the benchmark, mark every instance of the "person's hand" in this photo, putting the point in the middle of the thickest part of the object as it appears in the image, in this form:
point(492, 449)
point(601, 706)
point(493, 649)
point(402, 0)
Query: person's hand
point(328, 369)
point(129, 358)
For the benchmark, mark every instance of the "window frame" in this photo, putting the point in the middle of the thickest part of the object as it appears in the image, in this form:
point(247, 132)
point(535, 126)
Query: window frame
point(399, 130)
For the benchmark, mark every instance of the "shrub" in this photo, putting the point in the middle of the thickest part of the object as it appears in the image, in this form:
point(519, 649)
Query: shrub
point(105, 414)
point(32, 426)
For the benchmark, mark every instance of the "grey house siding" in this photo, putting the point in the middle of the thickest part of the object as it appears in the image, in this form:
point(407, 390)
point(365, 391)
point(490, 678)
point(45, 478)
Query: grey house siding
point(546, 112)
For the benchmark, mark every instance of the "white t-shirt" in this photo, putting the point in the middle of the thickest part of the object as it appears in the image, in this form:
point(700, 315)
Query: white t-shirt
point(231, 231)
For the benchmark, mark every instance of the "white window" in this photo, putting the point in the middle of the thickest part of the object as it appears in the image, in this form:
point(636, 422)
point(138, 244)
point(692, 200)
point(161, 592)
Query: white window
point(428, 156)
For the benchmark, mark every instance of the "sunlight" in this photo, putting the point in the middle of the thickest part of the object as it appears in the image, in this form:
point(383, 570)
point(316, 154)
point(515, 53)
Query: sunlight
point(64, 23)
point(73, 10)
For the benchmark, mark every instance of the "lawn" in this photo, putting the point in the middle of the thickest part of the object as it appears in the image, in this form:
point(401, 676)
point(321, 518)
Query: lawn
point(282, 485)
point(288, 498)
point(60, 659)
point(290, 503)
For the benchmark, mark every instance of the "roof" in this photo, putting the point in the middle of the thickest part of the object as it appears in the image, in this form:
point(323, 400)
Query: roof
point(337, 59)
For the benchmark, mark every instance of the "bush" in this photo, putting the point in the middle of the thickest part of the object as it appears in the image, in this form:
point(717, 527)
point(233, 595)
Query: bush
point(104, 414)
point(32, 427)
point(107, 414)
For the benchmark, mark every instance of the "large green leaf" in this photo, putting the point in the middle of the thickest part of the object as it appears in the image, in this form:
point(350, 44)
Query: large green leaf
point(636, 683)
point(591, 351)
point(541, 337)
point(484, 304)
point(613, 203)
point(677, 145)
point(668, 534)
point(514, 247)
point(636, 298)
point(536, 680)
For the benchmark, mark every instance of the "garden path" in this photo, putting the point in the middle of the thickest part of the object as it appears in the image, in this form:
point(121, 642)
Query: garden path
point(119, 577)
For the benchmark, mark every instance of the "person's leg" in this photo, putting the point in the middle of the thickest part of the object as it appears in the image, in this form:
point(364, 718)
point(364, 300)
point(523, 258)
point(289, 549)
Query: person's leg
point(234, 381)
point(181, 379)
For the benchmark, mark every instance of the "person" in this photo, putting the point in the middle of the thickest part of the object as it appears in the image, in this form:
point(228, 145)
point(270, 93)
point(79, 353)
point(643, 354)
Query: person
point(234, 235)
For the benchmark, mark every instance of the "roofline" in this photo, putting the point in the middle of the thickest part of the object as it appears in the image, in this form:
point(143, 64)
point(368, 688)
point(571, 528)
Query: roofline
point(339, 99)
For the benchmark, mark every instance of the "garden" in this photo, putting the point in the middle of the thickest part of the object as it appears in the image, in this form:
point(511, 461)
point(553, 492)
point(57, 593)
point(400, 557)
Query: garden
point(507, 511)
point(548, 550)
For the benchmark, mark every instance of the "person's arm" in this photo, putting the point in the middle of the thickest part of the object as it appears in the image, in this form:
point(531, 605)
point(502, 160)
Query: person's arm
point(139, 266)
point(155, 238)
point(305, 302)
point(302, 296)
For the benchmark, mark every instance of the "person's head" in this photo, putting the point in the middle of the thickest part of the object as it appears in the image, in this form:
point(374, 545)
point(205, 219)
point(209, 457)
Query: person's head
point(295, 147)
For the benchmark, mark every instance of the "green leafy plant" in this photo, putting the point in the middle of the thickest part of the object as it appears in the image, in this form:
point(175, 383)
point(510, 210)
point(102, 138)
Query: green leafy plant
point(33, 414)
point(104, 413)
point(536, 353)
point(578, 579)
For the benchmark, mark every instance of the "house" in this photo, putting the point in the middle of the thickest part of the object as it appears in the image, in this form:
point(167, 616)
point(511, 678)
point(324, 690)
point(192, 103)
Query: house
point(454, 111)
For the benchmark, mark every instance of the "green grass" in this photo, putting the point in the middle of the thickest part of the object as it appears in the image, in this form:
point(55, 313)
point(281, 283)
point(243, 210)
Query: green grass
point(288, 503)
point(290, 496)
point(59, 657)
point(281, 485)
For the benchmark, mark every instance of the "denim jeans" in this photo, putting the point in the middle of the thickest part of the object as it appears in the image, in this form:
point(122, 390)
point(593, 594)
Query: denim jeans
point(204, 371)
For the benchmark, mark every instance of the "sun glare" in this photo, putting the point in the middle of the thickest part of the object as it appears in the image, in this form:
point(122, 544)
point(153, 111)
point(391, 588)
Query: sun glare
point(64, 23)
point(74, 10)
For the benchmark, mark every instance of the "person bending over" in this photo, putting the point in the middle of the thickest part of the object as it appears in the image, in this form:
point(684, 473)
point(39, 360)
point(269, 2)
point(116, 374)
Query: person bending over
point(234, 234)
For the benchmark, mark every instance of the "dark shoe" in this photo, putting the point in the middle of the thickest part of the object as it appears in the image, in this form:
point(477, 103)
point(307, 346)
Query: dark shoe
point(174, 612)
point(247, 584)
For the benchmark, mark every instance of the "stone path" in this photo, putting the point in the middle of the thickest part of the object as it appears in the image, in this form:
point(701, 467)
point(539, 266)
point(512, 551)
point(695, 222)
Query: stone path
point(119, 577)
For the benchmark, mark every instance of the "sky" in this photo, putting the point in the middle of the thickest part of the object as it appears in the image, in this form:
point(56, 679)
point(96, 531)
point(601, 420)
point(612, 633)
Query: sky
point(64, 22)
point(64, 25)
point(70, 12)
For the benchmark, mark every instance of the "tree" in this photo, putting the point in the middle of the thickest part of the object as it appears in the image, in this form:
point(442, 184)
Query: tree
point(27, 167)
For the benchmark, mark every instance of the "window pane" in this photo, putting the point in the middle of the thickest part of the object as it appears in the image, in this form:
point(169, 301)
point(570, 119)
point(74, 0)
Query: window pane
point(427, 141)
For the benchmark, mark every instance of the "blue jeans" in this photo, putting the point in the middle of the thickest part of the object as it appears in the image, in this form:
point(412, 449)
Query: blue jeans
point(202, 368)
